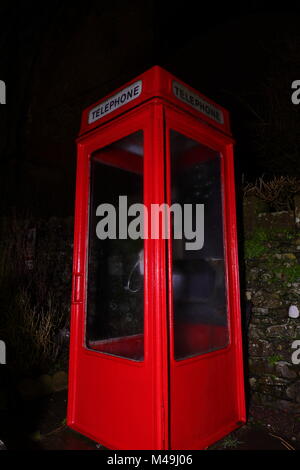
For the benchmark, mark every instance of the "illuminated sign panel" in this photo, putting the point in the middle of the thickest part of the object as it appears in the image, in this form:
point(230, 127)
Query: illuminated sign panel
point(196, 102)
point(116, 101)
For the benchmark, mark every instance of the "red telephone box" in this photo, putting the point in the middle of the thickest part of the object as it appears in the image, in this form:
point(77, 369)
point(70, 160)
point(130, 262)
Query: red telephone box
point(156, 349)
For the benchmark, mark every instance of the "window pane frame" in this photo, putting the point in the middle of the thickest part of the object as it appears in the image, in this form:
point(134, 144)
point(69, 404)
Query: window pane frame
point(193, 128)
point(133, 164)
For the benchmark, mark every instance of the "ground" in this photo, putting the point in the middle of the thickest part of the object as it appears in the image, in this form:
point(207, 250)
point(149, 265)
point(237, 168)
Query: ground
point(41, 425)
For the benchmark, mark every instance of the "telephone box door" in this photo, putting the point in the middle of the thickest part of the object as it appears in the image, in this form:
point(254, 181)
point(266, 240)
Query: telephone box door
point(206, 376)
point(118, 360)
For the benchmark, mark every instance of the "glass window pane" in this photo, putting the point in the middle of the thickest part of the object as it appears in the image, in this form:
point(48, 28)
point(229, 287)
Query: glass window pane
point(199, 285)
point(115, 291)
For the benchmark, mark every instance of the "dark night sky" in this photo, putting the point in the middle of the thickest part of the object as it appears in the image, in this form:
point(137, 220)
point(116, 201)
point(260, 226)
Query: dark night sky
point(57, 58)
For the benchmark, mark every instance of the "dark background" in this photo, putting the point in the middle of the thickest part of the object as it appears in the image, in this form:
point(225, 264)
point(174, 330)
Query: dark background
point(59, 57)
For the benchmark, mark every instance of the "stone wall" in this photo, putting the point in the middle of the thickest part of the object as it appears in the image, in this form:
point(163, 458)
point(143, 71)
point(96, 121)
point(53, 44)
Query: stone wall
point(272, 279)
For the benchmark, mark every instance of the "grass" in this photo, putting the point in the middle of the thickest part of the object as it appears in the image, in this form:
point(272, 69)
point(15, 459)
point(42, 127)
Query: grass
point(230, 442)
point(274, 359)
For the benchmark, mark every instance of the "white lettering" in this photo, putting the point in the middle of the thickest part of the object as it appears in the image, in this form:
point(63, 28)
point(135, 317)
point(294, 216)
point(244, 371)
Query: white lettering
point(116, 101)
point(184, 221)
point(198, 103)
point(296, 354)
point(2, 92)
point(296, 94)
point(2, 352)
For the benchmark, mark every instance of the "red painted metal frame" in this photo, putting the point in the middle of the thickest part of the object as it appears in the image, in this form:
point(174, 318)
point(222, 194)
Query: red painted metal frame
point(121, 159)
point(129, 413)
point(213, 382)
point(159, 403)
point(156, 83)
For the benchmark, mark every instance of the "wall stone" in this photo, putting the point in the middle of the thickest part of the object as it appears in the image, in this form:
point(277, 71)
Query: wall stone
point(272, 278)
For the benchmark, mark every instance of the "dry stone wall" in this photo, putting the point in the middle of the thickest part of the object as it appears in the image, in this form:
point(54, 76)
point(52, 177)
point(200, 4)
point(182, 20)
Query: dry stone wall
point(272, 275)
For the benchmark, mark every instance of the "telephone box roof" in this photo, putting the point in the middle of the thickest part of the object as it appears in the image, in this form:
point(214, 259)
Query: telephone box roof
point(160, 84)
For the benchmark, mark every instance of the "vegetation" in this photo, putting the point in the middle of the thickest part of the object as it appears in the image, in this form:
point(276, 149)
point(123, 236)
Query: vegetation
point(255, 246)
point(283, 269)
point(230, 442)
point(274, 359)
point(278, 192)
point(32, 312)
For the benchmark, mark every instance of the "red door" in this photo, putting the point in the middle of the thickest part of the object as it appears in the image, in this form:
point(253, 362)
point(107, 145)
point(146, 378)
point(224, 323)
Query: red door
point(118, 358)
point(206, 373)
point(143, 376)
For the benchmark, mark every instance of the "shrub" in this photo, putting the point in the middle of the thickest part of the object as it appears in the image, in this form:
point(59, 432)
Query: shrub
point(277, 192)
point(32, 311)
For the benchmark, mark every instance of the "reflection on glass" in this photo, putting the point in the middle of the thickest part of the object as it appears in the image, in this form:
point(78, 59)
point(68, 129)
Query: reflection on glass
point(115, 291)
point(199, 286)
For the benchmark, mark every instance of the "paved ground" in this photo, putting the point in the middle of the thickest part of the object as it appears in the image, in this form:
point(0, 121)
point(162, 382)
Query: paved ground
point(41, 425)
